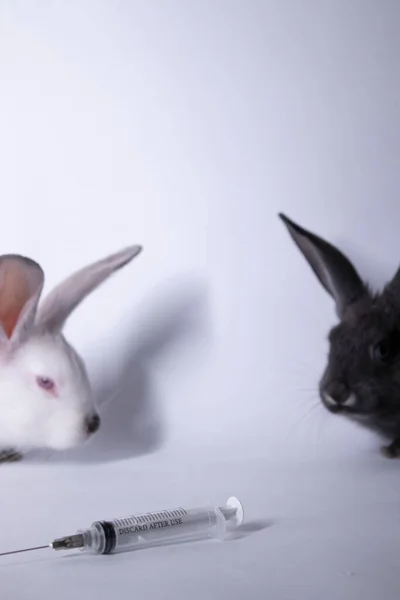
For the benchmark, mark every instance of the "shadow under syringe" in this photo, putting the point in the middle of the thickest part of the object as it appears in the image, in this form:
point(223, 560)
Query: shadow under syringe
point(129, 404)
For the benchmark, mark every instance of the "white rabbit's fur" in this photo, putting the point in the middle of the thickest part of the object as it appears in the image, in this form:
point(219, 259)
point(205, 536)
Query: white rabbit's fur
point(32, 346)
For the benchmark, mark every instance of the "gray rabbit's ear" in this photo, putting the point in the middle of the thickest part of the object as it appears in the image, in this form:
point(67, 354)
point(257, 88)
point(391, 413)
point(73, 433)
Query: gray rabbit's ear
point(333, 269)
point(21, 283)
point(58, 305)
point(394, 284)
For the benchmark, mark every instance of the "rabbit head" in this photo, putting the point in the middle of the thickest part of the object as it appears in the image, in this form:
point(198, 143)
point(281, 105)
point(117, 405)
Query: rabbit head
point(45, 394)
point(362, 376)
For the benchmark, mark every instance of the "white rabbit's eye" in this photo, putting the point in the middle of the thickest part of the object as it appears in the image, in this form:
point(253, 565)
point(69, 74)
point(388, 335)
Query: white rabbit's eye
point(46, 383)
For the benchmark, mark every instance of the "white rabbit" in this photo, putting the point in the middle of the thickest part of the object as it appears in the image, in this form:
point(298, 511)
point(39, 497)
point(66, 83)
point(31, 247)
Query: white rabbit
point(45, 394)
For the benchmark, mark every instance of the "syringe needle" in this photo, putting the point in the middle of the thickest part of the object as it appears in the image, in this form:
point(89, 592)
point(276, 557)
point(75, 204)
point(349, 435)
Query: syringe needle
point(24, 550)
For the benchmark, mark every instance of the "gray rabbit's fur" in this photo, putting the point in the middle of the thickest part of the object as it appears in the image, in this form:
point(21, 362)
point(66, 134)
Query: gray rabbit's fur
point(362, 378)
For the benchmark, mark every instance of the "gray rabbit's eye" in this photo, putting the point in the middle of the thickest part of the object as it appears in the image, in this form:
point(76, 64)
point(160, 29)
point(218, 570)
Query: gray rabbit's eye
point(385, 350)
point(381, 351)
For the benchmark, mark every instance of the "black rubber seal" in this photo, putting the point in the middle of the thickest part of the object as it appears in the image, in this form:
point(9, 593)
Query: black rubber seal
point(110, 537)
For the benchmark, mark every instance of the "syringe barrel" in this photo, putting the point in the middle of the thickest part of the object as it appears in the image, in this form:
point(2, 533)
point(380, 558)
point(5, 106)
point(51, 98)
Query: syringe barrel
point(164, 527)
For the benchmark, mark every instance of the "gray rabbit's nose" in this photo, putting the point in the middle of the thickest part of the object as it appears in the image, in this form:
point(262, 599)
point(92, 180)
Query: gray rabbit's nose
point(337, 395)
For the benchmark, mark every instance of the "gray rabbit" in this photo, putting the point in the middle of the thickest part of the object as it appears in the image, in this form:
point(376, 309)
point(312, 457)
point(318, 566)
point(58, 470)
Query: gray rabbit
point(362, 377)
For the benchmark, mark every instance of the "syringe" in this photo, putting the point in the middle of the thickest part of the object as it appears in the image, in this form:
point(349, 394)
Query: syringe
point(151, 529)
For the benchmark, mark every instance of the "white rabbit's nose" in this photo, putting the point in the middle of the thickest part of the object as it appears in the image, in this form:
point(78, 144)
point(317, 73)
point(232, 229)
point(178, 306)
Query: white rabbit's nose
point(92, 424)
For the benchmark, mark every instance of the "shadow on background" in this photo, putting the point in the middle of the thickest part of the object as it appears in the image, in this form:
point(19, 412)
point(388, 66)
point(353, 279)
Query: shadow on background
point(130, 407)
point(249, 528)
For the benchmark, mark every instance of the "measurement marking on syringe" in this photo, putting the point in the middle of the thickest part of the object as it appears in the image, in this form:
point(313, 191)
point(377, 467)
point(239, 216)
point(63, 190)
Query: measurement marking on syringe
point(151, 518)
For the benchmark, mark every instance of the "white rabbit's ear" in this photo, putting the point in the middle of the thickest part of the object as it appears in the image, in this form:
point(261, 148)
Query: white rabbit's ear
point(58, 305)
point(21, 283)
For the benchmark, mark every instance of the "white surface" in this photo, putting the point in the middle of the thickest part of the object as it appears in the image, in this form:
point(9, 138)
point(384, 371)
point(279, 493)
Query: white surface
point(328, 529)
point(186, 127)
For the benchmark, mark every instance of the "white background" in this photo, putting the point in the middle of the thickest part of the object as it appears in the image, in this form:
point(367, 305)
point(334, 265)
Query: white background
point(186, 126)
